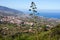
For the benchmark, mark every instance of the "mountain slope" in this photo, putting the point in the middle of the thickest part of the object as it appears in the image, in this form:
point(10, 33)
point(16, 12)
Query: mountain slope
point(5, 11)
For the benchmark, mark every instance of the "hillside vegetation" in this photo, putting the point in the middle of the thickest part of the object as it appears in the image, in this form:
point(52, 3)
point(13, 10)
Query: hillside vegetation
point(15, 32)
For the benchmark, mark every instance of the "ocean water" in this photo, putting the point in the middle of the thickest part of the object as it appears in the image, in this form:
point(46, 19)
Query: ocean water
point(49, 15)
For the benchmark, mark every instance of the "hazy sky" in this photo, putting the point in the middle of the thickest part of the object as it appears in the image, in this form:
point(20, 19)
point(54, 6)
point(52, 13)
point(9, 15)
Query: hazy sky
point(24, 4)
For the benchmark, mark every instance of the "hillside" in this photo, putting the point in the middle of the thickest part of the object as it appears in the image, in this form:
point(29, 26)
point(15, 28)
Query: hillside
point(5, 11)
point(15, 25)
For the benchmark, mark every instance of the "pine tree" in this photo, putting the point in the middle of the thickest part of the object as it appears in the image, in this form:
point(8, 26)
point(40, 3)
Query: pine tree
point(33, 8)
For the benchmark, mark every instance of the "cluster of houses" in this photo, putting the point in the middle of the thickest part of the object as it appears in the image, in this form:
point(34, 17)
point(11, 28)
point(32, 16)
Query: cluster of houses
point(17, 20)
point(11, 19)
point(14, 20)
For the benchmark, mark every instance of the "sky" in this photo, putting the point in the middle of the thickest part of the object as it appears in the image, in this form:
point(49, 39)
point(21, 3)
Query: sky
point(25, 4)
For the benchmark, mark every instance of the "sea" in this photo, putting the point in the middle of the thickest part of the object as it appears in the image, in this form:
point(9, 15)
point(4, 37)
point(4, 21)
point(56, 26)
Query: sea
point(49, 15)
